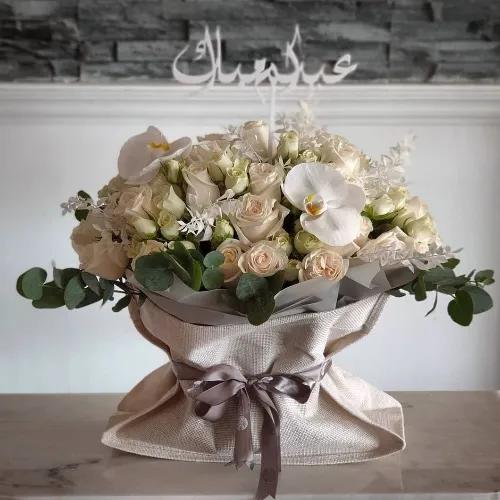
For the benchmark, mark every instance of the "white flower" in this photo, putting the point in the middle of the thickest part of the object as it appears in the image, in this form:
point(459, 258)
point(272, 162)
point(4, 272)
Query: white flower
point(169, 227)
point(97, 252)
point(265, 180)
point(343, 155)
point(423, 231)
point(264, 258)
point(237, 178)
point(366, 228)
point(414, 209)
point(323, 263)
point(331, 205)
point(257, 217)
point(388, 248)
point(173, 203)
point(201, 191)
point(145, 228)
point(141, 156)
point(255, 137)
point(292, 270)
point(232, 250)
point(288, 146)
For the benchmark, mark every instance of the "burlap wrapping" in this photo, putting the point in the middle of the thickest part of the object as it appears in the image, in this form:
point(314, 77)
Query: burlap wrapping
point(344, 420)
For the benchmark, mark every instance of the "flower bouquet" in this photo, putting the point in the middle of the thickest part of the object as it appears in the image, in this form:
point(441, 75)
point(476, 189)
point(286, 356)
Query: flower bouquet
point(252, 257)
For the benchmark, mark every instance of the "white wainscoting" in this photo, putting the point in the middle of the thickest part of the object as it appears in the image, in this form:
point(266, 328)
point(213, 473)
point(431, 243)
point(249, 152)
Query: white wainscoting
point(55, 140)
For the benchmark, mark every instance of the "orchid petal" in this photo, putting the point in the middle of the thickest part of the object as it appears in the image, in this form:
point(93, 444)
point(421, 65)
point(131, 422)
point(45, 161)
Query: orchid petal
point(336, 227)
point(314, 178)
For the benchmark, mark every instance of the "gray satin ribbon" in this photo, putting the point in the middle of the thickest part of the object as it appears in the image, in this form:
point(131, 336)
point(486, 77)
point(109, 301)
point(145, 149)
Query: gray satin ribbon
point(212, 390)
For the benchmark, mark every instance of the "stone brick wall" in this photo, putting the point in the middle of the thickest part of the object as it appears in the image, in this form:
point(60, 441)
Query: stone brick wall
point(437, 41)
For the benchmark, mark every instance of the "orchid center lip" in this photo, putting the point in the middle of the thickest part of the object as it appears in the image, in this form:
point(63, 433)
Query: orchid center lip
point(314, 205)
point(165, 146)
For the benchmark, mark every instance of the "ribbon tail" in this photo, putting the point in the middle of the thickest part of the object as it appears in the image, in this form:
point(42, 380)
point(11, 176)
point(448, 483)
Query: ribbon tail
point(270, 462)
point(243, 448)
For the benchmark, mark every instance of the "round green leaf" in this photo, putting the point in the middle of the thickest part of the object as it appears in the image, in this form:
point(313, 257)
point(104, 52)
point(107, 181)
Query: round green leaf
point(251, 286)
point(213, 259)
point(481, 299)
point(260, 309)
point(152, 271)
point(213, 278)
point(32, 282)
point(461, 308)
point(122, 303)
point(52, 297)
point(485, 274)
point(74, 292)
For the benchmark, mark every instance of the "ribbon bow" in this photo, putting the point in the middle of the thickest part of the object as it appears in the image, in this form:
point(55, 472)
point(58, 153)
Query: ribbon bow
point(214, 388)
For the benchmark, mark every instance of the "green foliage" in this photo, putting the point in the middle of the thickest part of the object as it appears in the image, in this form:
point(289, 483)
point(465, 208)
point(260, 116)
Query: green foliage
point(213, 259)
point(256, 298)
point(153, 271)
point(468, 294)
point(212, 278)
point(31, 282)
point(70, 287)
point(81, 214)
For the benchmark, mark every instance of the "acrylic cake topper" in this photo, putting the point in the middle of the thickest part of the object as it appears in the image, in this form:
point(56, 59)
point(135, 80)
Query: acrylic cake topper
point(264, 72)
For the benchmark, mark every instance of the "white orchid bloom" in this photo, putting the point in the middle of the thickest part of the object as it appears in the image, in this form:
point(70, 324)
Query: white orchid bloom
point(141, 156)
point(331, 206)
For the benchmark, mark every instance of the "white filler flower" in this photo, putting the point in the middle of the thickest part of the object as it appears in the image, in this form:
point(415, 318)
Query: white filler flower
point(331, 206)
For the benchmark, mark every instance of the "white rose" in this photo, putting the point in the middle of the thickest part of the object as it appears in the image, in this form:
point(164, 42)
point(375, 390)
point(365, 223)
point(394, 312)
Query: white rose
point(292, 270)
point(288, 146)
point(236, 177)
point(414, 209)
point(140, 248)
point(144, 228)
point(257, 217)
point(98, 254)
point(232, 250)
point(423, 231)
point(323, 263)
point(264, 258)
point(282, 239)
point(366, 227)
point(265, 180)
point(173, 204)
point(169, 227)
point(343, 155)
point(255, 135)
point(201, 191)
point(382, 206)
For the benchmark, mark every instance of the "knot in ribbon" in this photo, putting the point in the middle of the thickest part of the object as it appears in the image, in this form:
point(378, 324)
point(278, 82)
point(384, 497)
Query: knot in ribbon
point(214, 388)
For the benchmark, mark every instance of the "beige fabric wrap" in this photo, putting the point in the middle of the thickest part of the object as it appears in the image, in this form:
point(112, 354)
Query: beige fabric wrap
point(344, 420)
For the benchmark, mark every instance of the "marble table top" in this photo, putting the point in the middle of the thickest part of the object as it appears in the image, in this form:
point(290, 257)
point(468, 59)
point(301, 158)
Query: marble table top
point(50, 449)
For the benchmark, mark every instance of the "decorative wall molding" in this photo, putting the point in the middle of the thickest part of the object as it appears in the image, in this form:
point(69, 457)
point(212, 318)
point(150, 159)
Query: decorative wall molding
point(356, 104)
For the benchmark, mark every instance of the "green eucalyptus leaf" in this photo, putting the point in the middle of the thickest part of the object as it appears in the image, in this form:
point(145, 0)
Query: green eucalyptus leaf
point(461, 308)
point(213, 259)
point(196, 254)
point(396, 293)
point(196, 275)
point(90, 298)
point(108, 288)
point(74, 292)
point(92, 282)
point(420, 293)
point(438, 274)
point(434, 305)
point(485, 274)
point(481, 299)
point(260, 309)
point(153, 272)
point(212, 278)
point(52, 297)
point(451, 263)
point(81, 214)
point(122, 303)
point(251, 286)
point(62, 276)
point(84, 195)
point(32, 282)
point(174, 264)
point(276, 281)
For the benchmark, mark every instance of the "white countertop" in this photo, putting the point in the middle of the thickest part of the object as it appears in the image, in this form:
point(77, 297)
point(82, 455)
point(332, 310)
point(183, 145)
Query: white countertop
point(50, 449)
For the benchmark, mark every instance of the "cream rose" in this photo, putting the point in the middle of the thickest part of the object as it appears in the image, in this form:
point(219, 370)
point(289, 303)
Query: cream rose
point(323, 263)
point(201, 191)
point(257, 217)
point(265, 180)
point(255, 135)
point(343, 155)
point(366, 227)
point(264, 258)
point(232, 250)
point(97, 252)
point(135, 201)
